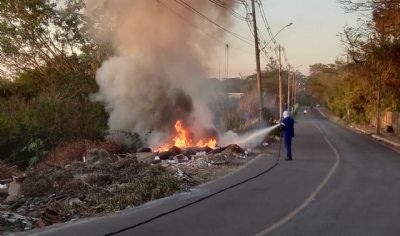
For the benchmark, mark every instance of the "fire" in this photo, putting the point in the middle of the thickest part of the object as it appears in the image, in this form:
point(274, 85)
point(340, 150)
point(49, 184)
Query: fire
point(211, 143)
point(182, 139)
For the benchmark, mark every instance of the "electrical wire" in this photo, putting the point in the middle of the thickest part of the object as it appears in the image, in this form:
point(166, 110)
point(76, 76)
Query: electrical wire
point(262, 42)
point(211, 36)
point(229, 9)
point(193, 10)
point(252, 32)
point(263, 16)
point(187, 6)
point(203, 198)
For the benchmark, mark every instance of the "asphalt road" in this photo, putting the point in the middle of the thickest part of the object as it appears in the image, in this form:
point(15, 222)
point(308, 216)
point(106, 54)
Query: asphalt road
point(339, 183)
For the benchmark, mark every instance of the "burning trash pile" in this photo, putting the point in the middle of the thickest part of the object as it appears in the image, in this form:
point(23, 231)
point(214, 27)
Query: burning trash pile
point(103, 181)
point(187, 155)
point(197, 165)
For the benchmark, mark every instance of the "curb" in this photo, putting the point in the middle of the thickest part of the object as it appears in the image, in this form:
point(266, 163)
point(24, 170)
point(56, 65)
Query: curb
point(378, 138)
point(397, 145)
point(361, 130)
point(374, 136)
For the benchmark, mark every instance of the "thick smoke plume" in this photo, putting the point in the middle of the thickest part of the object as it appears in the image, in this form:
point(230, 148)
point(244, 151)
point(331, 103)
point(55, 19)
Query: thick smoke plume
point(159, 73)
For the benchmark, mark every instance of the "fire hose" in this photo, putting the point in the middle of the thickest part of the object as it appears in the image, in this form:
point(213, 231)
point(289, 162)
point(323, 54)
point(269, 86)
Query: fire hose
point(203, 198)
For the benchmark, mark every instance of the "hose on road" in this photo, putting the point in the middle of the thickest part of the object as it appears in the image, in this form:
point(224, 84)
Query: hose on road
point(203, 198)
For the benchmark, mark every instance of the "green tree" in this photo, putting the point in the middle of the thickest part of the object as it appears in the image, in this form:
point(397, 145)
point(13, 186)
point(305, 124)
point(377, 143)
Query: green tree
point(48, 48)
point(372, 63)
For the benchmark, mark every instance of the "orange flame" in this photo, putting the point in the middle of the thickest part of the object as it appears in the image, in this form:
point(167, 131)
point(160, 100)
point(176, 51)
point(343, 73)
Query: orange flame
point(162, 149)
point(182, 139)
point(211, 143)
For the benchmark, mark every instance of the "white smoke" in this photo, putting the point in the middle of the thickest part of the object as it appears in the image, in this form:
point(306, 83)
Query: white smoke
point(159, 73)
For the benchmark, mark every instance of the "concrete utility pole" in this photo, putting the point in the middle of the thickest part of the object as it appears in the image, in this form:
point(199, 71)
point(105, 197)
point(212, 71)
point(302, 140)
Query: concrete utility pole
point(257, 50)
point(288, 91)
point(280, 83)
point(378, 115)
point(378, 118)
point(294, 91)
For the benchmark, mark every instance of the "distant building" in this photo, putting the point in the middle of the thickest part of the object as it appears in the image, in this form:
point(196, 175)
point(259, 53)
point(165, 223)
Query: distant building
point(235, 95)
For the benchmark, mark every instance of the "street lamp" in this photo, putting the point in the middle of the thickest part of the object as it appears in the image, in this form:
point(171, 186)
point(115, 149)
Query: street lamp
point(293, 89)
point(279, 69)
point(273, 38)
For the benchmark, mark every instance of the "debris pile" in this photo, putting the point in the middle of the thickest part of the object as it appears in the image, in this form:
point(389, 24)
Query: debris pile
point(195, 156)
point(196, 165)
point(53, 193)
point(6, 171)
point(74, 151)
point(65, 188)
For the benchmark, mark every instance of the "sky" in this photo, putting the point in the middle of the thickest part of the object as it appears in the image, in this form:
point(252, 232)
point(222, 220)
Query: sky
point(312, 38)
point(162, 60)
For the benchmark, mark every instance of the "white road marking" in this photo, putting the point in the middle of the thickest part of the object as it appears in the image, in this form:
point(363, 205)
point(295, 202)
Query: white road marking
point(309, 199)
point(319, 129)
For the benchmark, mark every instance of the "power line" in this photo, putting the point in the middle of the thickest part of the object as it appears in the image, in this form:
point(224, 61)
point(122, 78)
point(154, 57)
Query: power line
point(211, 36)
point(248, 21)
point(252, 32)
point(229, 9)
point(193, 10)
point(263, 15)
point(187, 6)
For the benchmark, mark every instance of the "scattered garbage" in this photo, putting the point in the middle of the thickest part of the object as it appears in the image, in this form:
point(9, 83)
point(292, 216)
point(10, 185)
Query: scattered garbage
point(101, 181)
point(388, 129)
point(50, 194)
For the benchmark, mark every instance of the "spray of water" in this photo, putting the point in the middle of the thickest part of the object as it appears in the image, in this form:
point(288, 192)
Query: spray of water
point(249, 140)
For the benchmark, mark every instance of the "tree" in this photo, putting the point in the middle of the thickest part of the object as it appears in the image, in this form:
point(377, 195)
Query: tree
point(35, 34)
point(374, 57)
point(47, 46)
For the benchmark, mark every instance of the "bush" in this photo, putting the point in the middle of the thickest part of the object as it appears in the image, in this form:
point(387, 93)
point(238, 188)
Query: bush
point(53, 109)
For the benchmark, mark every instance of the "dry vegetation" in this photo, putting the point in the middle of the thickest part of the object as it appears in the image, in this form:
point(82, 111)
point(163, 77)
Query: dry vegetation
point(63, 187)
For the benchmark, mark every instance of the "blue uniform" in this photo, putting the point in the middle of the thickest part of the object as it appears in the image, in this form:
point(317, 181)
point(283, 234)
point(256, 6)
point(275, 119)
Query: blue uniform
point(287, 127)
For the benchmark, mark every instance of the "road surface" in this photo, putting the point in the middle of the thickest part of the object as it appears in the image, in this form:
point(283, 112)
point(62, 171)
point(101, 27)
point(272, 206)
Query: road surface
point(339, 183)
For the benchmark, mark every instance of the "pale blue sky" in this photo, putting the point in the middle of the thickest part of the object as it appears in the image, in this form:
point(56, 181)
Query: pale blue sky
point(311, 39)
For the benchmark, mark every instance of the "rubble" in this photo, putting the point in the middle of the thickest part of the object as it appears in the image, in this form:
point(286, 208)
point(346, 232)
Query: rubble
point(14, 190)
point(54, 195)
point(146, 156)
point(104, 181)
point(96, 155)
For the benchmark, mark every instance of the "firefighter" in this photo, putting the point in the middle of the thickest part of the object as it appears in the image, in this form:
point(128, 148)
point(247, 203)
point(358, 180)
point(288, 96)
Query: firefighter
point(287, 127)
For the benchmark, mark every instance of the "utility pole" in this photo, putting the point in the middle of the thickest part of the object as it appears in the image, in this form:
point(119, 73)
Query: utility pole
point(257, 50)
point(280, 83)
point(294, 90)
point(288, 90)
point(219, 71)
point(378, 117)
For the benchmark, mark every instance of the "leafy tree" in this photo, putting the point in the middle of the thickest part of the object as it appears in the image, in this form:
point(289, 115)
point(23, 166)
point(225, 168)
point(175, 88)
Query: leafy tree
point(46, 45)
point(372, 64)
point(40, 33)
